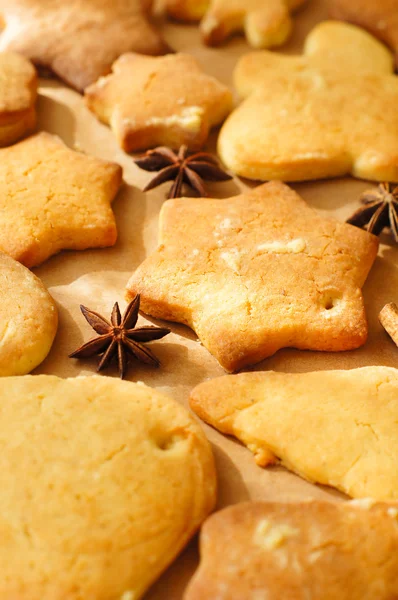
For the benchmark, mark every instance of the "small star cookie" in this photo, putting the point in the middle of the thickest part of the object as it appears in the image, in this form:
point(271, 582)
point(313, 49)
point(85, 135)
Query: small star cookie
point(336, 428)
point(256, 273)
point(18, 92)
point(52, 198)
point(78, 39)
point(327, 113)
point(265, 22)
point(28, 319)
point(159, 101)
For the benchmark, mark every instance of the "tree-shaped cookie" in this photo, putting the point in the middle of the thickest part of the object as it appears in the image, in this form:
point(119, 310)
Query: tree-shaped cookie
point(265, 22)
point(159, 101)
point(257, 272)
point(78, 39)
point(329, 112)
point(52, 198)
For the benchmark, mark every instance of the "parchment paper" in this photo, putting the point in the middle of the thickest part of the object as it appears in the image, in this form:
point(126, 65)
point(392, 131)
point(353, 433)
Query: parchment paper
point(98, 278)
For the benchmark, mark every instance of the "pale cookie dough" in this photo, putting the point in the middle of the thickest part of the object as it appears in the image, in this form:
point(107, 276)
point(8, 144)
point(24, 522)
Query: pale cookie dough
point(28, 319)
point(257, 272)
point(103, 482)
point(18, 92)
point(327, 113)
point(337, 428)
point(52, 198)
point(265, 22)
point(78, 39)
point(299, 551)
point(159, 101)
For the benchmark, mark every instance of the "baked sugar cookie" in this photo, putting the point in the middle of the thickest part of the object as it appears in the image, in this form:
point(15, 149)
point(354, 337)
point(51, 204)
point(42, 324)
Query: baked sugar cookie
point(337, 428)
point(265, 22)
point(103, 483)
point(78, 39)
point(28, 319)
point(327, 113)
point(299, 551)
point(18, 91)
point(52, 198)
point(159, 101)
point(262, 271)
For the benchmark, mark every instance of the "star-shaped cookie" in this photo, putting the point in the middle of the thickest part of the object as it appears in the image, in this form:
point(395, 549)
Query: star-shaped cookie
point(159, 101)
point(18, 92)
point(380, 18)
point(257, 272)
point(265, 22)
point(327, 113)
point(52, 198)
point(78, 39)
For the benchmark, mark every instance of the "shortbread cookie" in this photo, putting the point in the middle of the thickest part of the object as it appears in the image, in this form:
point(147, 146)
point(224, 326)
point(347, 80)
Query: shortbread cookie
point(52, 198)
point(380, 18)
point(388, 318)
point(337, 428)
point(18, 92)
point(299, 551)
point(327, 113)
point(78, 39)
point(103, 483)
point(28, 319)
point(265, 22)
point(262, 271)
point(159, 101)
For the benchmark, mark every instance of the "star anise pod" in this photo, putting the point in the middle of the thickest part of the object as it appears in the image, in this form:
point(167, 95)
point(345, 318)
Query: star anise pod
point(119, 338)
point(181, 168)
point(379, 210)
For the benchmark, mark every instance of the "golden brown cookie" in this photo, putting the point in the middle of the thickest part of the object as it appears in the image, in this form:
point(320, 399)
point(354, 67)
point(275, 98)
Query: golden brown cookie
point(256, 273)
point(103, 483)
point(52, 198)
point(18, 92)
point(298, 551)
point(326, 113)
point(379, 17)
point(265, 22)
point(337, 428)
point(159, 101)
point(78, 39)
point(28, 319)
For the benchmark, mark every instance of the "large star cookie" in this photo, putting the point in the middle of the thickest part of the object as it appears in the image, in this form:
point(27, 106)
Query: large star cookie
point(78, 39)
point(18, 91)
point(327, 113)
point(337, 428)
point(28, 319)
point(265, 22)
point(52, 198)
point(298, 551)
point(103, 482)
point(380, 18)
point(256, 273)
point(153, 101)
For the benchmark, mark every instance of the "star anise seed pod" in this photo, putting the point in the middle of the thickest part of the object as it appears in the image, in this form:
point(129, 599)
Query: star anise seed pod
point(181, 168)
point(119, 337)
point(379, 210)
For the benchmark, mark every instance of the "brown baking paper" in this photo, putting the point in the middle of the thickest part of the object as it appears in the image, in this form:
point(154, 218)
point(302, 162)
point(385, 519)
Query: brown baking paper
point(97, 278)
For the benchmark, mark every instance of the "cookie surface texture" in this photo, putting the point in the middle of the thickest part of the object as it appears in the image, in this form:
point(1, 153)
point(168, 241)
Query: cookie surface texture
point(263, 271)
point(18, 92)
point(298, 551)
point(28, 319)
point(338, 428)
point(327, 113)
point(52, 198)
point(264, 22)
point(78, 39)
point(159, 101)
point(115, 478)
